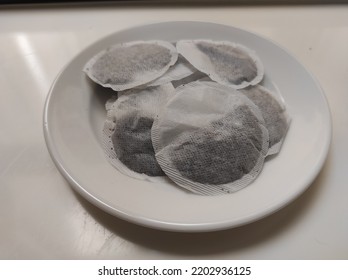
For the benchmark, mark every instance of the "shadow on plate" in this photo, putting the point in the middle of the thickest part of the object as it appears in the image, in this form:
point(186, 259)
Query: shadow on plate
point(195, 245)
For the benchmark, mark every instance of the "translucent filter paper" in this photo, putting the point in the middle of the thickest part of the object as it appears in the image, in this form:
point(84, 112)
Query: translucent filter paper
point(180, 70)
point(196, 76)
point(128, 65)
point(210, 139)
point(127, 130)
point(274, 112)
point(225, 62)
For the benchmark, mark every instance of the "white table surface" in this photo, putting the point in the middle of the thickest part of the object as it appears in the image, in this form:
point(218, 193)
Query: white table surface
point(41, 217)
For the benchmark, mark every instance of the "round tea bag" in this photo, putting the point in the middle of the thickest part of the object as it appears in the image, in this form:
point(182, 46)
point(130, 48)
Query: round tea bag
point(274, 113)
point(225, 62)
point(131, 64)
point(127, 130)
point(210, 139)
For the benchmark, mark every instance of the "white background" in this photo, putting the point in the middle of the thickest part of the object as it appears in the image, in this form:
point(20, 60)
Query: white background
point(42, 218)
point(174, 269)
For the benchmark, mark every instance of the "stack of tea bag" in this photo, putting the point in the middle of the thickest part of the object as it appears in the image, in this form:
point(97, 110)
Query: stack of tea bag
point(196, 112)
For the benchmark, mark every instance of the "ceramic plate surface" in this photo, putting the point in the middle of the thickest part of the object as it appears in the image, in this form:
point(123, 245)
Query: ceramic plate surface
point(75, 113)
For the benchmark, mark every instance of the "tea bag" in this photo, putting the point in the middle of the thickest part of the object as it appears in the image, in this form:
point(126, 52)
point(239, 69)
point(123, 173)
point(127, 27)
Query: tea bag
point(132, 64)
point(273, 110)
point(127, 130)
point(225, 62)
point(181, 69)
point(210, 139)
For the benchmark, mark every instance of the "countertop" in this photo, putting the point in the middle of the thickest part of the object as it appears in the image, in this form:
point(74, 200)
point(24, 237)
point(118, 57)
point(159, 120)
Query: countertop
point(41, 217)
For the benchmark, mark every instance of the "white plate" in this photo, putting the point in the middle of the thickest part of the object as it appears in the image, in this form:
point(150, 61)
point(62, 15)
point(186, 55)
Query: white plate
point(74, 116)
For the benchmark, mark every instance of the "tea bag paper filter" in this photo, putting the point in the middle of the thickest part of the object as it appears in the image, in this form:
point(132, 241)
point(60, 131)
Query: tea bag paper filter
point(128, 65)
point(127, 131)
point(225, 62)
point(180, 70)
point(272, 107)
point(200, 124)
